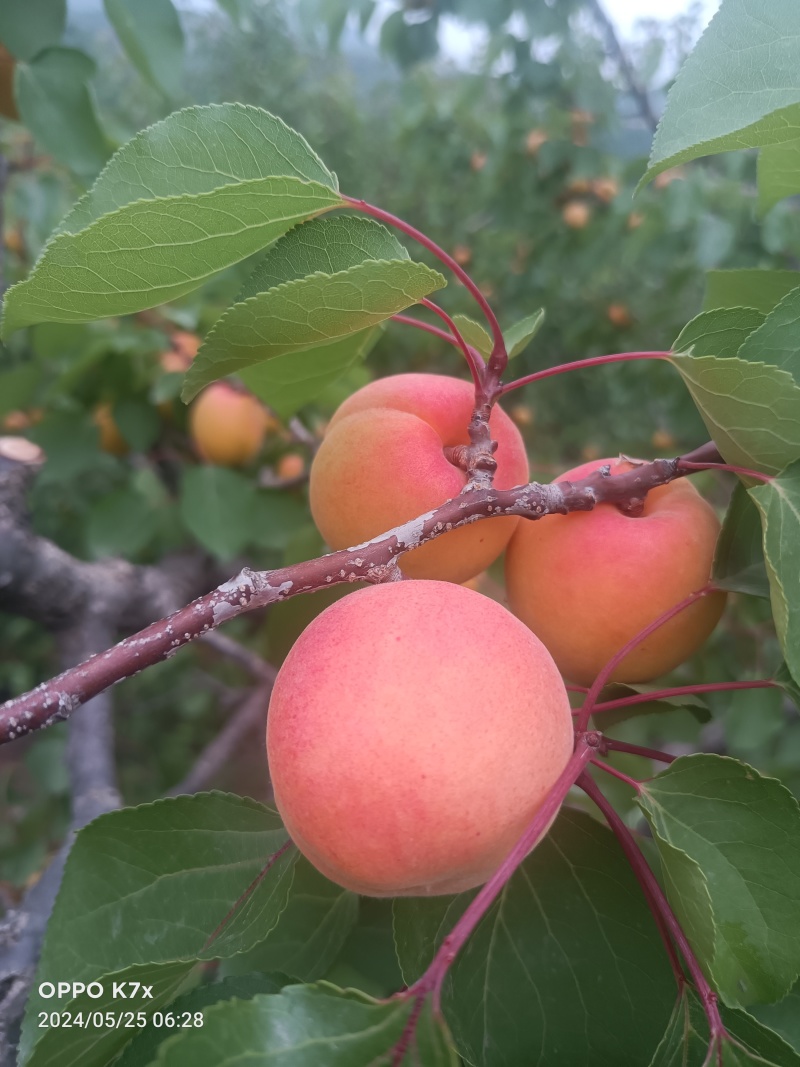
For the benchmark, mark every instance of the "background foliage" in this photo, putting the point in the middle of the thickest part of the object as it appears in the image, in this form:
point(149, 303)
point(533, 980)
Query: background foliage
point(496, 154)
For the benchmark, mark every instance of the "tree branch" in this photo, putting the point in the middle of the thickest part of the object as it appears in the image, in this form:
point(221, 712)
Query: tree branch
point(374, 561)
point(615, 47)
point(250, 715)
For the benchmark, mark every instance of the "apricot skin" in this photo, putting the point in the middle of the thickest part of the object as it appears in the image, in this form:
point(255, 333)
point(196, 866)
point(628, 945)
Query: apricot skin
point(227, 426)
point(586, 583)
point(404, 762)
point(382, 464)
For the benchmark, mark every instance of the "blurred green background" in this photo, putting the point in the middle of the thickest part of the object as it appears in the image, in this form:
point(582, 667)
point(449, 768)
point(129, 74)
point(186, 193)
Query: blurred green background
point(508, 131)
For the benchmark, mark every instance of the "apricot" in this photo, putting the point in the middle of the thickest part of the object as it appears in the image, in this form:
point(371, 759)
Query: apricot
point(397, 769)
point(228, 425)
point(534, 141)
point(382, 463)
point(291, 466)
point(605, 189)
point(619, 315)
point(577, 214)
point(111, 440)
point(588, 582)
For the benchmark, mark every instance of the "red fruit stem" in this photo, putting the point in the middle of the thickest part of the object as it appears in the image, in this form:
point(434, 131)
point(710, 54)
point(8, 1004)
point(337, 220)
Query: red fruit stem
point(499, 358)
point(635, 786)
point(477, 367)
point(637, 750)
point(581, 364)
point(409, 320)
point(605, 674)
point(433, 978)
point(744, 471)
point(682, 690)
point(664, 914)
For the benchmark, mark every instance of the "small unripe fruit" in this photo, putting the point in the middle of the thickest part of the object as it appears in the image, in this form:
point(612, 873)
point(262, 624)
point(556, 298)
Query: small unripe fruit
point(397, 771)
point(579, 186)
point(605, 189)
point(383, 463)
point(462, 254)
point(227, 426)
point(522, 414)
point(619, 315)
point(667, 177)
point(588, 582)
point(478, 160)
point(291, 466)
point(663, 441)
point(111, 440)
point(16, 421)
point(534, 141)
point(576, 214)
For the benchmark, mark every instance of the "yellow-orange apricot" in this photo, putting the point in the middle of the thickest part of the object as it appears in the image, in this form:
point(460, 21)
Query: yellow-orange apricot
point(397, 771)
point(111, 440)
point(15, 421)
point(663, 441)
point(576, 214)
point(605, 189)
point(227, 425)
point(534, 141)
point(462, 254)
point(291, 466)
point(619, 315)
point(382, 463)
point(522, 414)
point(588, 582)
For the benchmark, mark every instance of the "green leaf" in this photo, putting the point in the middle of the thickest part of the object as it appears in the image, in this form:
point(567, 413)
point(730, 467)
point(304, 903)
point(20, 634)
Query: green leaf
point(739, 87)
point(277, 516)
point(306, 313)
point(790, 687)
point(368, 960)
point(685, 1043)
point(138, 423)
point(329, 244)
point(752, 411)
point(778, 173)
point(217, 506)
point(783, 1017)
point(55, 102)
point(196, 151)
point(759, 289)
point(520, 335)
point(739, 559)
point(775, 341)
point(474, 334)
point(308, 1026)
point(120, 523)
point(692, 703)
point(96, 1046)
point(779, 504)
point(525, 988)
point(150, 32)
point(144, 1047)
point(151, 251)
point(287, 383)
point(310, 932)
point(148, 885)
point(721, 826)
point(28, 26)
point(720, 332)
point(18, 386)
point(326, 245)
